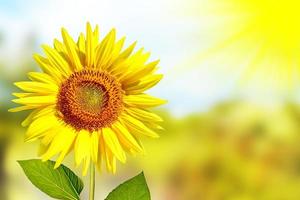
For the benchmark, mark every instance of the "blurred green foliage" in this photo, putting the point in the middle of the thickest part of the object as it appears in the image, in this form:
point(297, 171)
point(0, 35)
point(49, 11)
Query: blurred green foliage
point(236, 150)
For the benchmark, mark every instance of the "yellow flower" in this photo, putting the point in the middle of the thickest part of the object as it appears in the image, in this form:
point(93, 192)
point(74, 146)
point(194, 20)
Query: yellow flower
point(90, 98)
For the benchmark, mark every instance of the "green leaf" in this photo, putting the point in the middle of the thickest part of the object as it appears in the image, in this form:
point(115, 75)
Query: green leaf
point(74, 179)
point(60, 183)
point(133, 189)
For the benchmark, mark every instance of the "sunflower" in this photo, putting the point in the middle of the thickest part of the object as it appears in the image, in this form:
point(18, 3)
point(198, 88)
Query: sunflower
point(90, 98)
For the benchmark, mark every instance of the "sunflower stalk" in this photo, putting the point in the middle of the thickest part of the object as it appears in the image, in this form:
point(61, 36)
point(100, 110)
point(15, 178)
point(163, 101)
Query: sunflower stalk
point(92, 183)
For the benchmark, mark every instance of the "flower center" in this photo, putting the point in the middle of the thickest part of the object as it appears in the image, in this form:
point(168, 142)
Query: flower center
point(90, 97)
point(90, 100)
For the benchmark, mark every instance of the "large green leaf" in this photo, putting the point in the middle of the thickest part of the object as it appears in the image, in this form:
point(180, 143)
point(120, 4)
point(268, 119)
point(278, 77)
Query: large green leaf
point(60, 183)
point(134, 189)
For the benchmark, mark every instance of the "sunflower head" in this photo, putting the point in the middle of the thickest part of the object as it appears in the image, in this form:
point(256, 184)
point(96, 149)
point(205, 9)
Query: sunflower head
point(90, 98)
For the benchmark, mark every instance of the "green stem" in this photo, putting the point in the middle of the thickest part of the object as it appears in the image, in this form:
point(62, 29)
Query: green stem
point(92, 182)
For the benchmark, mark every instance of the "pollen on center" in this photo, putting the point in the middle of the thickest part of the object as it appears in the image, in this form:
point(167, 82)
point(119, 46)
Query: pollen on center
point(91, 97)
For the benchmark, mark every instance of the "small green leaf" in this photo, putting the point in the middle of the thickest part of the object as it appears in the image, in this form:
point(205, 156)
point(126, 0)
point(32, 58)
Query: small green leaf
point(60, 183)
point(133, 189)
point(74, 179)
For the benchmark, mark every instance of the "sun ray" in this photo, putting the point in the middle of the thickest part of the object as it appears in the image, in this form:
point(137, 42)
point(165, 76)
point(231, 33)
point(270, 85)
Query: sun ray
point(251, 22)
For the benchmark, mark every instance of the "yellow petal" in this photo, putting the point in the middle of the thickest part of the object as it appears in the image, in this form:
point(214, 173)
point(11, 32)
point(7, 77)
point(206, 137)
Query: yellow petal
point(143, 101)
point(96, 35)
point(86, 165)
point(81, 43)
point(115, 53)
point(105, 49)
point(42, 149)
point(69, 137)
point(22, 108)
point(47, 68)
point(124, 55)
point(22, 94)
point(48, 110)
point(72, 50)
point(41, 77)
point(61, 143)
point(126, 138)
point(143, 115)
point(113, 143)
point(94, 146)
point(81, 47)
point(36, 87)
point(144, 84)
point(47, 138)
point(29, 118)
point(120, 68)
point(62, 50)
point(36, 100)
point(153, 125)
point(110, 160)
point(139, 73)
point(82, 147)
point(40, 125)
point(57, 60)
point(136, 126)
point(130, 64)
point(59, 46)
point(117, 48)
point(138, 59)
point(101, 151)
point(89, 46)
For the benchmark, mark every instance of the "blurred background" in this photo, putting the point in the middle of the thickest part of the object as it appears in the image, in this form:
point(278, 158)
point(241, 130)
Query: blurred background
point(231, 78)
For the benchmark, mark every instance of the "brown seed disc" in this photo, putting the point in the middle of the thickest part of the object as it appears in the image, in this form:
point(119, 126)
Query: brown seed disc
point(90, 100)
